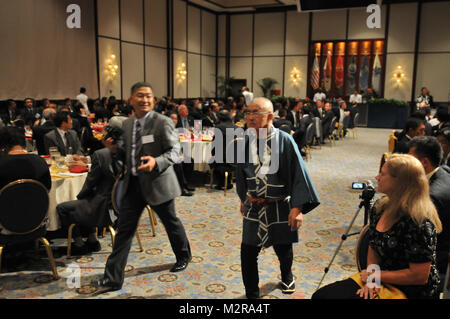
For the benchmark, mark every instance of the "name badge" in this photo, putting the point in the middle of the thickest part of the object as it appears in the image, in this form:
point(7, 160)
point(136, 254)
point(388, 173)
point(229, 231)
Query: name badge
point(148, 139)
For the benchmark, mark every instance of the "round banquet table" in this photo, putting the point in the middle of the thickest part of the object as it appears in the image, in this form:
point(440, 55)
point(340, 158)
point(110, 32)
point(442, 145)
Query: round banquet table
point(199, 151)
point(65, 187)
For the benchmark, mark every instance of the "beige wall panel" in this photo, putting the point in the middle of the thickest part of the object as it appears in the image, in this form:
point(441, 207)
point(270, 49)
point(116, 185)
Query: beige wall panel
point(222, 33)
point(156, 70)
point(208, 33)
point(241, 35)
point(297, 32)
point(403, 91)
point(108, 18)
point(301, 64)
point(241, 68)
point(106, 48)
point(357, 25)
point(329, 25)
point(435, 27)
point(40, 56)
point(193, 75)
point(179, 24)
point(179, 85)
point(400, 37)
point(132, 24)
point(133, 66)
point(267, 67)
point(269, 34)
point(433, 72)
point(194, 32)
point(208, 76)
point(221, 69)
point(155, 22)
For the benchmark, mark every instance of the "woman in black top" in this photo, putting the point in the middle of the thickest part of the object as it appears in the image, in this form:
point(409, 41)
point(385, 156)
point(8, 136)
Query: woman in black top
point(402, 236)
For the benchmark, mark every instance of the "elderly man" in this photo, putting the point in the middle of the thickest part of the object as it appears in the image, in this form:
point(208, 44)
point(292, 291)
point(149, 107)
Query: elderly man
point(275, 191)
point(185, 120)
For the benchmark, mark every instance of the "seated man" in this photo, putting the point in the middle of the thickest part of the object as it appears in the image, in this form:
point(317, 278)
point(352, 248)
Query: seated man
point(39, 131)
point(300, 134)
point(326, 121)
point(443, 137)
point(93, 207)
point(63, 137)
point(428, 151)
point(414, 127)
point(283, 123)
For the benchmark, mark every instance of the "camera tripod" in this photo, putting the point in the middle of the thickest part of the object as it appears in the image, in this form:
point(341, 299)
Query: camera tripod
point(366, 197)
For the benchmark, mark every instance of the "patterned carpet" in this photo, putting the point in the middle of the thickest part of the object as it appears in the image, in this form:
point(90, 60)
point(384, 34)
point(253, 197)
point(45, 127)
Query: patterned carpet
point(213, 224)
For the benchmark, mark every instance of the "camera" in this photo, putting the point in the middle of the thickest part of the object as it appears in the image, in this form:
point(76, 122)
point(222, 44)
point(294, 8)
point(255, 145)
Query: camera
point(357, 185)
point(113, 132)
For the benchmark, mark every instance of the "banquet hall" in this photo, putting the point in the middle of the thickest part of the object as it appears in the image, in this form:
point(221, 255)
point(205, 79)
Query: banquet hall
point(359, 72)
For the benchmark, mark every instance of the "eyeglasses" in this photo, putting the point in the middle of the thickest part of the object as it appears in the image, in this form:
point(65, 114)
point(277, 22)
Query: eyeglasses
point(255, 112)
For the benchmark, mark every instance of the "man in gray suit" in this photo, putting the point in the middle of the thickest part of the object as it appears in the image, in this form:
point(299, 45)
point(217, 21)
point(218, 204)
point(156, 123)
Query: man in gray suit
point(63, 137)
point(149, 146)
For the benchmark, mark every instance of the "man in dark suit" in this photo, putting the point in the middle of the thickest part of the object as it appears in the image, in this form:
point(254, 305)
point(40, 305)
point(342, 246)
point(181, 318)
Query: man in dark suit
point(39, 131)
point(30, 113)
point(220, 167)
point(11, 113)
point(300, 134)
point(414, 127)
point(443, 137)
point(294, 114)
point(63, 137)
point(184, 119)
point(91, 210)
point(149, 147)
point(429, 152)
point(326, 121)
point(318, 110)
point(283, 123)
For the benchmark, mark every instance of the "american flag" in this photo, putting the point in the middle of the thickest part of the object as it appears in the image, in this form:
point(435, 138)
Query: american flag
point(315, 74)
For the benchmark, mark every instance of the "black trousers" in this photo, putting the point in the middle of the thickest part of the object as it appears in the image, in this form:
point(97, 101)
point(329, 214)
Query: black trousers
point(249, 266)
point(66, 212)
point(344, 289)
point(131, 209)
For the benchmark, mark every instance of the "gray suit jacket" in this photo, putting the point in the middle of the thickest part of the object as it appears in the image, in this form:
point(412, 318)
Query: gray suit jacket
point(53, 139)
point(161, 185)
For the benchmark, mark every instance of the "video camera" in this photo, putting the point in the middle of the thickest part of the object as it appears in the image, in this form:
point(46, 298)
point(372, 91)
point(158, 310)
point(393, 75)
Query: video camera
point(114, 132)
point(367, 188)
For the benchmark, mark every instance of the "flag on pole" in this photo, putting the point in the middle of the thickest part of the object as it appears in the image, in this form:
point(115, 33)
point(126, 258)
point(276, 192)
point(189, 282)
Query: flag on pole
point(364, 74)
point(351, 76)
point(327, 72)
point(315, 74)
point(339, 75)
point(376, 74)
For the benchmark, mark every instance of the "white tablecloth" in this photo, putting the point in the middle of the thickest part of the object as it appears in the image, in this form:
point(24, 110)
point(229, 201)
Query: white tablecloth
point(63, 190)
point(200, 152)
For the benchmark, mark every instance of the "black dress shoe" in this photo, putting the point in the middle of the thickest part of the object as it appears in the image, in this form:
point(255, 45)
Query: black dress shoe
point(219, 188)
point(93, 246)
point(104, 285)
point(185, 192)
point(229, 186)
point(79, 250)
point(180, 265)
point(190, 188)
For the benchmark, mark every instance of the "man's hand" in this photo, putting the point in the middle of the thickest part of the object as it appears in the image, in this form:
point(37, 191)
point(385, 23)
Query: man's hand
point(295, 219)
point(148, 164)
point(242, 209)
point(109, 144)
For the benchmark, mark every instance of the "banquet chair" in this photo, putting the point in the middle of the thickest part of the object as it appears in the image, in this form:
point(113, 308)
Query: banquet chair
point(362, 249)
point(25, 220)
point(330, 134)
point(392, 141)
point(345, 125)
point(309, 139)
point(355, 124)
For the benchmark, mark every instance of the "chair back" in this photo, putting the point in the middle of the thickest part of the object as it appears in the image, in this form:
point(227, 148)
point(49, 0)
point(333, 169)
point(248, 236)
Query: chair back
point(392, 142)
point(333, 125)
point(285, 128)
point(346, 121)
point(116, 194)
point(362, 248)
point(356, 120)
point(24, 205)
point(309, 135)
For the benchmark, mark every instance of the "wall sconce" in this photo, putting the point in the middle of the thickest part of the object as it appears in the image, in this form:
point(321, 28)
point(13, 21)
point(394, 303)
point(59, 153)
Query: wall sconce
point(398, 76)
point(181, 72)
point(111, 67)
point(295, 76)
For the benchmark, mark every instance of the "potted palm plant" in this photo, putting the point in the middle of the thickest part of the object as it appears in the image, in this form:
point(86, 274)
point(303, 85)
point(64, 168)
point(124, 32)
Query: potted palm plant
point(224, 85)
point(266, 85)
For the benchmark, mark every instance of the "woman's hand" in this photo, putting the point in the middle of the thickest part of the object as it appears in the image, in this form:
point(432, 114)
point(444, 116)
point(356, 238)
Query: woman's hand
point(367, 293)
